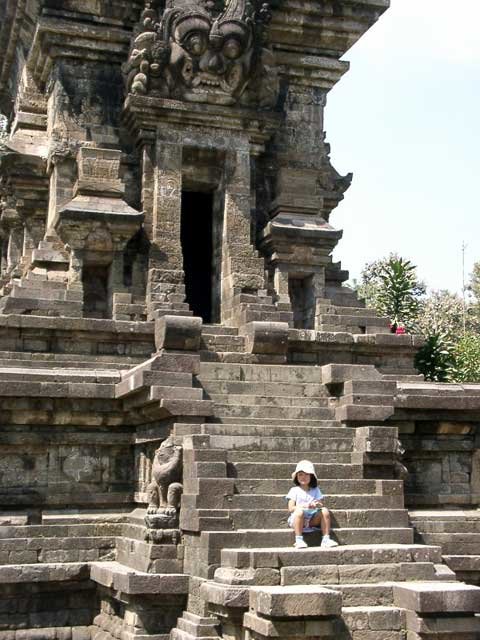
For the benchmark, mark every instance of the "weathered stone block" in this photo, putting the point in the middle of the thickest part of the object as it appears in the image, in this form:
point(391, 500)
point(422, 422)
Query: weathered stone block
point(182, 333)
point(266, 338)
point(295, 601)
point(437, 598)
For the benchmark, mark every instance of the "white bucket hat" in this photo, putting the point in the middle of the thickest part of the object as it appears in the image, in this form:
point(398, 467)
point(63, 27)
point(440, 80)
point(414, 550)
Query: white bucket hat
point(306, 466)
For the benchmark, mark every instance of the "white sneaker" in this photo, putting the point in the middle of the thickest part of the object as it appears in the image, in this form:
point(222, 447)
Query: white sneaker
point(300, 544)
point(328, 543)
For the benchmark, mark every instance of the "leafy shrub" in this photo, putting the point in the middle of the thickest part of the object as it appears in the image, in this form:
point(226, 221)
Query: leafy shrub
point(467, 359)
point(436, 359)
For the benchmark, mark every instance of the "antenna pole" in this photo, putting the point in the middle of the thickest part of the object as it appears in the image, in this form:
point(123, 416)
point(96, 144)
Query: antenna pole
point(464, 247)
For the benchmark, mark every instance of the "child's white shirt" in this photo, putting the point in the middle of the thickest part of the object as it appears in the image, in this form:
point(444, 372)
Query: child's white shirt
point(303, 498)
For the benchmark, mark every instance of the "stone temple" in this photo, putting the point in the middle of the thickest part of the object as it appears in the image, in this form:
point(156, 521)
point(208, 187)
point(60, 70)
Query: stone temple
point(175, 337)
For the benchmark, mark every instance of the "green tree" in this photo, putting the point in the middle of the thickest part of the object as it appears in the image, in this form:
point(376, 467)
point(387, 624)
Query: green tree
point(441, 313)
point(391, 286)
point(474, 285)
point(473, 315)
point(467, 358)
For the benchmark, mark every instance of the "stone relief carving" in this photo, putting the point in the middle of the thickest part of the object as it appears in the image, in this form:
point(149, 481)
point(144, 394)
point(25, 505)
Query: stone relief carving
point(204, 51)
point(165, 490)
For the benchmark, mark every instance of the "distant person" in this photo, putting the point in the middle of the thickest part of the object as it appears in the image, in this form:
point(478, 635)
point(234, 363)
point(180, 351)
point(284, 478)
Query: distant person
point(305, 504)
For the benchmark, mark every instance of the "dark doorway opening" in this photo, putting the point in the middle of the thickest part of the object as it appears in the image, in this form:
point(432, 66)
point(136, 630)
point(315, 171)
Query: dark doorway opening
point(197, 248)
point(95, 289)
point(302, 301)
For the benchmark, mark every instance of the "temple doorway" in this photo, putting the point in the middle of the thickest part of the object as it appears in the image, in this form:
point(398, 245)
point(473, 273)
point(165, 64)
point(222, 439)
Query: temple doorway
point(196, 234)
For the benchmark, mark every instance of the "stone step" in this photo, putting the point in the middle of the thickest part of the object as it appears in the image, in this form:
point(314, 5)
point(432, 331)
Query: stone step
point(69, 364)
point(438, 527)
point(41, 292)
point(329, 486)
point(40, 306)
point(49, 255)
point(277, 444)
point(129, 581)
point(33, 283)
point(260, 373)
point(300, 423)
point(173, 385)
point(290, 457)
point(222, 343)
point(132, 383)
point(355, 311)
point(452, 538)
point(260, 412)
point(219, 330)
point(264, 389)
point(52, 389)
point(323, 428)
point(463, 563)
point(251, 315)
point(33, 550)
point(27, 373)
point(284, 470)
point(148, 558)
point(366, 595)
point(355, 501)
point(442, 390)
point(429, 598)
point(341, 518)
point(456, 547)
point(188, 629)
point(369, 387)
point(353, 556)
point(43, 573)
point(363, 399)
point(375, 622)
point(265, 538)
point(366, 318)
point(67, 361)
point(364, 573)
point(443, 521)
point(268, 401)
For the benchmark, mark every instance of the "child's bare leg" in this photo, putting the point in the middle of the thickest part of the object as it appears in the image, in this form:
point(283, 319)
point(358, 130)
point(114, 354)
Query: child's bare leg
point(298, 518)
point(326, 521)
point(322, 518)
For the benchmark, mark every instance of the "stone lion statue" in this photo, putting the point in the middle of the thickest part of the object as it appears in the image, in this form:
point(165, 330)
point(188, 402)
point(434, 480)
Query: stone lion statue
point(165, 490)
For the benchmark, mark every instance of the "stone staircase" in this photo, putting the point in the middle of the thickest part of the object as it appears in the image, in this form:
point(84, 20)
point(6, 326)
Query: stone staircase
point(354, 319)
point(43, 290)
point(457, 532)
point(236, 473)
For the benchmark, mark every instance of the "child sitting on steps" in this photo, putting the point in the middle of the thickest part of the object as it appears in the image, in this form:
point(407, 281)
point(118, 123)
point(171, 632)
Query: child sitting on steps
point(306, 506)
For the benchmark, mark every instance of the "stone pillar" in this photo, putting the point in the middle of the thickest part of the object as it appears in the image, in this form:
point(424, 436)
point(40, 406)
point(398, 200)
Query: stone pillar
point(299, 239)
point(33, 233)
point(280, 282)
point(242, 268)
point(75, 271)
point(115, 278)
point(165, 276)
point(15, 247)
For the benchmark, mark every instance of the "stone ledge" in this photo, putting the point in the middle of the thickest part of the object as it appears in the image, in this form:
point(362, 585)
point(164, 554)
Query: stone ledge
point(228, 596)
point(121, 578)
point(427, 597)
point(287, 628)
point(57, 572)
point(296, 601)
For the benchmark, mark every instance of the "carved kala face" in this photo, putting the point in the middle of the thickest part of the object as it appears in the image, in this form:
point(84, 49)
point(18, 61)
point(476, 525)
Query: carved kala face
point(210, 62)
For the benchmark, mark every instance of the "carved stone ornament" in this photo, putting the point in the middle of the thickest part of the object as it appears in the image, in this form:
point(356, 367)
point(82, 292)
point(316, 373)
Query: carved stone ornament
point(165, 490)
point(204, 51)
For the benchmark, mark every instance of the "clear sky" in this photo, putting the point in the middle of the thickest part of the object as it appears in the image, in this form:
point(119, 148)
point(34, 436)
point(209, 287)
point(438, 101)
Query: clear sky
point(406, 121)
